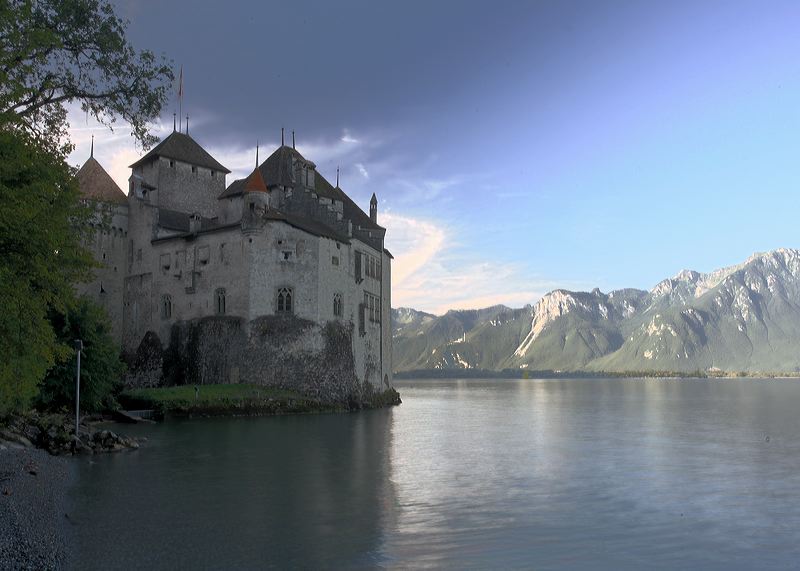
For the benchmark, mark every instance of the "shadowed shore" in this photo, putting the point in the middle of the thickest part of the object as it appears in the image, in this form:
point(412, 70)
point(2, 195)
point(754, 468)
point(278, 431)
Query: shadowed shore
point(33, 487)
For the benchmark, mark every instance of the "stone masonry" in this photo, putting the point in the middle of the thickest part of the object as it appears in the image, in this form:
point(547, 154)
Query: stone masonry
point(277, 279)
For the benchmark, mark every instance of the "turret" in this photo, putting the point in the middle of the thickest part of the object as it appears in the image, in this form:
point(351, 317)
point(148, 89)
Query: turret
point(255, 193)
point(373, 209)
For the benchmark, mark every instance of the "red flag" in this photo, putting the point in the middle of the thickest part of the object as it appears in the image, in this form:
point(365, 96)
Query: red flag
point(180, 85)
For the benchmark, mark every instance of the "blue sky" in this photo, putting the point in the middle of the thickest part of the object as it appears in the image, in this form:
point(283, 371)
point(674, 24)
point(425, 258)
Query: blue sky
point(515, 147)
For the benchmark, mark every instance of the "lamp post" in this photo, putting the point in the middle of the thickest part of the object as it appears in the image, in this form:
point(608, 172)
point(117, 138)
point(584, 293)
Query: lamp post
point(78, 347)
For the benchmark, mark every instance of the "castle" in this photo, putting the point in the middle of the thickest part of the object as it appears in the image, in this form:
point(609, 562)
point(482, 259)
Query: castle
point(277, 279)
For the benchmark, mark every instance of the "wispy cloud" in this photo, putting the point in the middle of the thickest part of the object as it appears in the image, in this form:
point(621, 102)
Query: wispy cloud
point(432, 273)
point(348, 138)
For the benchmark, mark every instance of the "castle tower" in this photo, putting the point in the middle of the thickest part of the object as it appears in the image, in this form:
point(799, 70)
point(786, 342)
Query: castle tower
point(178, 174)
point(373, 209)
point(109, 240)
point(255, 191)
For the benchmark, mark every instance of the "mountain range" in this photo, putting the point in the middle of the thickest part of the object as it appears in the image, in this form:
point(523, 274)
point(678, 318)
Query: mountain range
point(740, 318)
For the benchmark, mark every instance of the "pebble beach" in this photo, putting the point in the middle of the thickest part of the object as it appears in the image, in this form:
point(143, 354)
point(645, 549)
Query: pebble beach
point(32, 509)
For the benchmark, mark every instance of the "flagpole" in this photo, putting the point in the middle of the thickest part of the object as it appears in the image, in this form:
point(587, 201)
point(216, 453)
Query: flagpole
point(180, 100)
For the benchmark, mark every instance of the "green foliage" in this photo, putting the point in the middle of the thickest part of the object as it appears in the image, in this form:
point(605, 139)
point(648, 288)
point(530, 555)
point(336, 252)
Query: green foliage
point(101, 366)
point(40, 258)
point(57, 51)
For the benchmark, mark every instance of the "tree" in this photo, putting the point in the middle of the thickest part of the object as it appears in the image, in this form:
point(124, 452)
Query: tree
point(53, 52)
point(41, 256)
point(57, 51)
point(101, 367)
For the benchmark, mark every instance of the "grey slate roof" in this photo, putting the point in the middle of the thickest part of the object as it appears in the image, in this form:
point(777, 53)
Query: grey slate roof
point(234, 189)
point(179, 221)
point(351, 210)
point(175, 220)
point(307, 224)
point(182, 147)
point(277, 170)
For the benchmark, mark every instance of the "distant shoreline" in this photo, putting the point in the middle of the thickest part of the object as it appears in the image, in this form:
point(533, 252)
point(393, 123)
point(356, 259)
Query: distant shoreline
point(549, 374)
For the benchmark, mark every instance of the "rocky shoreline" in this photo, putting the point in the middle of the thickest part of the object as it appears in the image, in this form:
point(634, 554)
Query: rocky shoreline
point(33, 485)
point(55, 434)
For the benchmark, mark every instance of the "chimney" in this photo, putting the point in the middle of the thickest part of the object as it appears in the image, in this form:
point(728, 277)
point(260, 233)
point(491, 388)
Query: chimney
point(373, 209)
point(194, 223)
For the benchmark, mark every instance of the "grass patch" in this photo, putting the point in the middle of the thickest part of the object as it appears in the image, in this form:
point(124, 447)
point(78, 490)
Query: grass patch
point(222, 400)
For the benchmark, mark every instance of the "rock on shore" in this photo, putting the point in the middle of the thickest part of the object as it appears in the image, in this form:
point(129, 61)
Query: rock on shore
point(32, 508)
point(55, 433)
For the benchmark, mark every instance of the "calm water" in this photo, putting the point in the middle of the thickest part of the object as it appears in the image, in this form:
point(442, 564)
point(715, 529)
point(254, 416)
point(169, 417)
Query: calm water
point(577, 474)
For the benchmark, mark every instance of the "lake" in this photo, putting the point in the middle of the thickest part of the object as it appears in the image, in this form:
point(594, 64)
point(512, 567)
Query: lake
point(545, 474)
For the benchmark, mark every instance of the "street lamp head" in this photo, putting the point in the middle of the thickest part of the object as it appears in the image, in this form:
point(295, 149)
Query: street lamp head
point(78, 345)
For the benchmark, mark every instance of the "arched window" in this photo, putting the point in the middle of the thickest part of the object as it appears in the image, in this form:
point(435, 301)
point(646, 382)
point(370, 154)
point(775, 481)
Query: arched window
point(284, 300)
point(219, 301)
point(337, 305)
point(166, 307)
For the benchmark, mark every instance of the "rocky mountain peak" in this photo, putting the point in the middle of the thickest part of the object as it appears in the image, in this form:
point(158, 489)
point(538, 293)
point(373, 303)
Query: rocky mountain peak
point(740, 317)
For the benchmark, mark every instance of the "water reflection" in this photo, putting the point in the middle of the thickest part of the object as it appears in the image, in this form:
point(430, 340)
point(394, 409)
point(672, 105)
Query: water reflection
point(601, 473)
point(545, 474)
point(307, 491)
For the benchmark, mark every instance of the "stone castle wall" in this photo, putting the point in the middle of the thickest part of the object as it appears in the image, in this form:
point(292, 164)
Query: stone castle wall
point(183, 187)
point(281, 352)
point(108, 244)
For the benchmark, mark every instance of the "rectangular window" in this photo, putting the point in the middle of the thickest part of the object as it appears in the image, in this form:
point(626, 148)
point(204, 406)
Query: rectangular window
point(372, 305)
point(165, 261)
point(359, 276)
point(203, 255)
point(222, 252)
point(372, 266)
point(335, 260)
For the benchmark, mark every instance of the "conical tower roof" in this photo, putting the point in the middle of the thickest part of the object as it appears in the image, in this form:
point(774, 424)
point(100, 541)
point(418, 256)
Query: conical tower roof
point(96, 184)
point(255, 182)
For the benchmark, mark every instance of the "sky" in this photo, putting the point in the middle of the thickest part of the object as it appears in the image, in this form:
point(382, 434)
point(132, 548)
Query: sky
point(514, 147)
